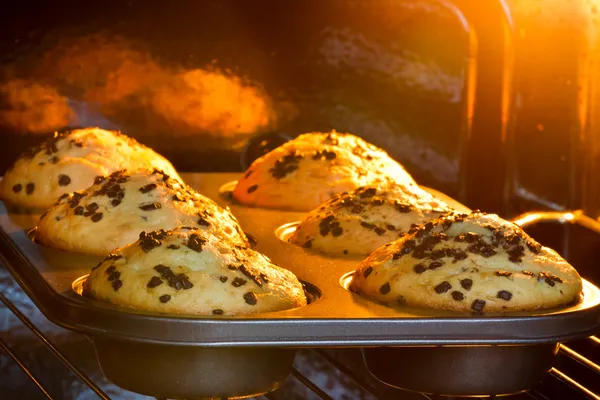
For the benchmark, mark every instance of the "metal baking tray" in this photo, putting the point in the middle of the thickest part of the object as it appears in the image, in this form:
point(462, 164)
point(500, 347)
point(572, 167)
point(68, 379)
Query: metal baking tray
point(186, 356)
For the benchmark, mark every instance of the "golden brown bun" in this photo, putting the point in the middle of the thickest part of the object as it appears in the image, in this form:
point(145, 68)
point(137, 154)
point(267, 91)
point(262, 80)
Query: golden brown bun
point(113, 212)
point(304, 172)
point(71, 161)
point(190, 271)
point(360, 221)
point(476, 262)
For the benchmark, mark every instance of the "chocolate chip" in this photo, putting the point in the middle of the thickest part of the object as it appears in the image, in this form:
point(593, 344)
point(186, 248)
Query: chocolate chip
point(115, 202)
point(223, 279)
point(458, 296)
point(534, 247)
point(466, 283)
point(549, 278)
point(114, 275)
point(150, 206)
point(17, 188)
point(345, 252)
point(29, 188)
point(195, 242)
point(147, 188)
point(478, 305)
point(336, 231)
point(64, 180)
point(79, 210)
point(92, 207)
point(148, 241)
point(367, 271)
point(97, 217)
point(179, 282)
point(435, 265)
point(164, 298)
point(217, 311)
point(154, 282)
point(202, 221)
point(98, 180)
point(250, 298)
point(110, 270)
point(237, 282)
point(503, 273)
point(419, 268)
point(379, 231)
point(116, 284)
point(442, 287)
point(252, 189)
point(385, 288)
point(504, 295)
point(370, 192)
point(367, 225)
point(286, 165)
point(307, 244)
point(528, 273)
point(471, 237)
point(403, 208)
point(173, 247)
point(390, 227)
point(437, 254)
point(53, 160)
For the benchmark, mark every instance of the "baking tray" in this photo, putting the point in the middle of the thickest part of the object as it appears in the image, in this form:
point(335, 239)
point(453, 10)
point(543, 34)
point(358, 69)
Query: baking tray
point(178, 357)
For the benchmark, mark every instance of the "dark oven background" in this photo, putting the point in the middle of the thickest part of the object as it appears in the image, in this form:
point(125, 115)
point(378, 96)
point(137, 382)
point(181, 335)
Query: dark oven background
point(196, 80)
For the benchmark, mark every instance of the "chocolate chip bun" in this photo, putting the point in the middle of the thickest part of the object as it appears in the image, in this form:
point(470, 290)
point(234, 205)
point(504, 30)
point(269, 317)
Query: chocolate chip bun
point(461, 262)
point(361, 221)
point(190, 271)
point(70, 161)
point(113, 212)
point(304, 172)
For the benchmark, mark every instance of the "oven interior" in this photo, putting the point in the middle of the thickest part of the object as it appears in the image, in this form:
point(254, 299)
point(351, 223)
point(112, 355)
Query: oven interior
point(489, 102)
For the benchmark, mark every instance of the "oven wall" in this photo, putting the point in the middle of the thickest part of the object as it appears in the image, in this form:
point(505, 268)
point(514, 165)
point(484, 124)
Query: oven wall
point(197, 79)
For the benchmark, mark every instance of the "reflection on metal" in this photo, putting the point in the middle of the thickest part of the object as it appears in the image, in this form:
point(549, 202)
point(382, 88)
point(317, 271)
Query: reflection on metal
point(23, 367)
point(532, 217)
point(574, 384)
point(53, 349)
point(306, 382)
point(580, 359)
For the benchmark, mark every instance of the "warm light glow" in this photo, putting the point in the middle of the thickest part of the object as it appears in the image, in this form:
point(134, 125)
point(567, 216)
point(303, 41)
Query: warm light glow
point(33, 107)
point(127, 86)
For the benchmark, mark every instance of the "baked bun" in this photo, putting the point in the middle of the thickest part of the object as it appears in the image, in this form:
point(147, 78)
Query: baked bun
point(361, 221)
point(113, 212)
point(468, 262)
point(304, 172)
point(70, 161)
point(190, 271)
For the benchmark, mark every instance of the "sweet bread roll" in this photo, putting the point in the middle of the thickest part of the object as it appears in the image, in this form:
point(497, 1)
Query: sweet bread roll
point(304, 172)
point(190, 271)
point(70, 161)
point(360, 221)
point(112, 213)
point(461, 262)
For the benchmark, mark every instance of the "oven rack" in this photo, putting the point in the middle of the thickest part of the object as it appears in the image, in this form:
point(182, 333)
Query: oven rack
point(575, 375)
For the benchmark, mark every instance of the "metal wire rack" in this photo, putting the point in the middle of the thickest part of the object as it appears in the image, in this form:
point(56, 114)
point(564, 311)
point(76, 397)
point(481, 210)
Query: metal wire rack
point(317, 374)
